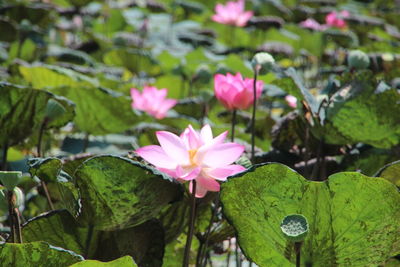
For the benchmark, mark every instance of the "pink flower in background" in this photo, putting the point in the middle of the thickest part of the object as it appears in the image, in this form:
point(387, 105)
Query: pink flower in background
point(336, 19)
point(291, 100)
point(232, 13)
point(234, 92)
point(195, 156)
point(152, 101)
point(313, 24)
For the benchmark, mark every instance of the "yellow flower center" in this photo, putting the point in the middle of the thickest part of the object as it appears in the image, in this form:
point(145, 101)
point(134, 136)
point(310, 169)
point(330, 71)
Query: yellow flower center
point(192, 154)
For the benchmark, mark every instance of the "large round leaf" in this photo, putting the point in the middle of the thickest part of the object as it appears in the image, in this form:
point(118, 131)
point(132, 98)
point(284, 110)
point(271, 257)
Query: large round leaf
point(22, 110)
point(391, 172)
point(353, 219)
point(98, 111)
point(118, 193)
point(126, 261)
point(362, 113)
point(144, 242)
point(36, 254)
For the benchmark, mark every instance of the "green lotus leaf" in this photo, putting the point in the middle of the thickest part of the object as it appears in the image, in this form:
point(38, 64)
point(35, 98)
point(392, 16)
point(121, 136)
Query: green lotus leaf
point(125, 261)
point(352, 218)
point(36, 254)
point(118, 193)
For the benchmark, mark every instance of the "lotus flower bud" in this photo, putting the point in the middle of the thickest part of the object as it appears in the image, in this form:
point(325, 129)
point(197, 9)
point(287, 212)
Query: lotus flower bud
point(10, 179)
point(358, 60)
point(262, 62)
point(54, 110)
point(19, 199)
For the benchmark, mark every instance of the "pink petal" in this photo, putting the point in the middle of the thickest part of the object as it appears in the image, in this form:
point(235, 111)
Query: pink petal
point(200, 191)
point(219, 19)
point(208, 183)
point(170, 172)
point(206, 134)
point(173, 147)
point(188, 175)
point(137, 99)
point(164, 107)
point(220, 138)
point(222, 173)
point(156, 156)
point(243, 18)
point(222, 154)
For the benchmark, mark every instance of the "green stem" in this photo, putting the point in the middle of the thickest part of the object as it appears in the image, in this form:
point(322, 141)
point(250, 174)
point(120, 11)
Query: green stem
point(228, 256)
point(41, 132)
point(233, 125)
point(4, 163)
point(46, 192)
point(18, 225)
point(13, 232)
point(253, 117)
point(85, 143)
point(203, 259)
point(39, 153)
point(297, 249)
point(237, 255)
point(89, 239)
point(191, 226)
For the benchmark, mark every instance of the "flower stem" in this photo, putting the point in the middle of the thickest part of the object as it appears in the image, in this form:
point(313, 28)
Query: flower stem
point(4, 162)
point(203, 258)
point(233, 125)
point(186, 255)
point(253, 117)
point(297, 249)
point(39, 154)
point(11, 216)
point(15, 222)
point(41, 132)
point(228, 257)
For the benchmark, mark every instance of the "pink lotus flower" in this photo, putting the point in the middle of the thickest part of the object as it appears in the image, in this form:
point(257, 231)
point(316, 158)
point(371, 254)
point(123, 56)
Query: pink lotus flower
point(232, 13)
point(313, 24)
point(194, 156)
point(234, 92)
point(291, 100)
point(336, 19)
point(152, 101)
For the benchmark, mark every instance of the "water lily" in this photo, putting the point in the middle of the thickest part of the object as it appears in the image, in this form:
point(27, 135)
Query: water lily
point(152, 101)
point(234, 92)
point(336, 19)
point(194, 156)
point(291, 100)
point(232, 13)
point(313, 24)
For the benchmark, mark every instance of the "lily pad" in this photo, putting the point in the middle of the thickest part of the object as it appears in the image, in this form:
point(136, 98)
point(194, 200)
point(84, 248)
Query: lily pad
point(145, 242)
point(353, 219)
point(364, 113)
point(99, 111)
point(36, 254)
point(391, 172)
point(126, 261)
point(22, 110)
point(118, 193)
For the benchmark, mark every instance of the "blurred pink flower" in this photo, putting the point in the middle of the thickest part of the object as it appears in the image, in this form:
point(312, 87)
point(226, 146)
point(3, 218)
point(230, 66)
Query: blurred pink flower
point(313, 24)
point(234, 92)
point(194, 156)
point(336, 19)
point(152, 101)
point(291, 100)
point(232, 13)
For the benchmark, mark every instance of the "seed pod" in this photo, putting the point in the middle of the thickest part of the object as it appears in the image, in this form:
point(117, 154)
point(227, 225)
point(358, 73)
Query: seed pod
point(262, 62)
point(358, 60)
point(295, 227)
